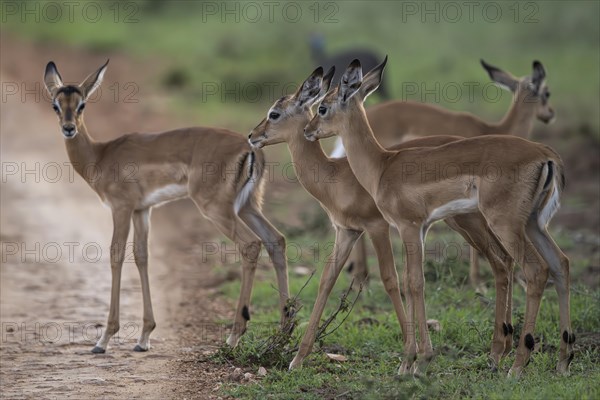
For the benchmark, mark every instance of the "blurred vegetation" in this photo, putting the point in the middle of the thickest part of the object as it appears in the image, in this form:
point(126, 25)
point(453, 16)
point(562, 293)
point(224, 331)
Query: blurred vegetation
point(247, 44)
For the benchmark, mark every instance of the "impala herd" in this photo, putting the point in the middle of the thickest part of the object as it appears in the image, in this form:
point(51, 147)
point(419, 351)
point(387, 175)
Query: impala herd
point(385, 181)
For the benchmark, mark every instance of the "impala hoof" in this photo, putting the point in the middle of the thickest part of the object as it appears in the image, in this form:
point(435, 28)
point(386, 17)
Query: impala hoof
point(98, 350)
point(295, 364)
point(515, 372)
point(404, 369)
point(563, 366)
point(421, 365)
point(232, 341)
point(493, 363)
point(139, 348)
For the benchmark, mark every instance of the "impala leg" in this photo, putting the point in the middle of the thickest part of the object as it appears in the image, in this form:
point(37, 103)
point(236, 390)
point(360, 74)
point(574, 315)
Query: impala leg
point(250, 250)
point(501, 267)
point(536, 273)
point(121, 222)
point(274, 242)
point(413, 246)
point(508, 340)
point(410, 340)
point(389, 276)
point(344, 240)
point(522, 249)
point(559, 269)
point(410, 309)
point(473, 227)
point(358, 261)
point(141, 225)
point(248, 245)
point(474, 271)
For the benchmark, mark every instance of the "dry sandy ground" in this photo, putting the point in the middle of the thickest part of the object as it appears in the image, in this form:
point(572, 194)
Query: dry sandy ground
point(55, 286)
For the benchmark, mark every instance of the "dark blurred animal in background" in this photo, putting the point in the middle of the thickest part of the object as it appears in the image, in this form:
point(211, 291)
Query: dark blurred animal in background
point(368, 58)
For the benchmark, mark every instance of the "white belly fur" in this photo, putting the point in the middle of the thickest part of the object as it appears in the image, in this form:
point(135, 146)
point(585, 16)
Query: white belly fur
point(165, 193)
point(460, 206)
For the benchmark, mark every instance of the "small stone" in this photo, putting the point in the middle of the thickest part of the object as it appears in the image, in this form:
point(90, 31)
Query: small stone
point(236, 375)
point(262, 371)
point(434, 325)
point(336, 357)
point(95, 381)
point(302, 271)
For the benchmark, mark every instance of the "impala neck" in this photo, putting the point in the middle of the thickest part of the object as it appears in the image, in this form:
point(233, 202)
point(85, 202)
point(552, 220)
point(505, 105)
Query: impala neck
point(310, 162)
point(365, 154)
point(518, 121)
point(83, 153)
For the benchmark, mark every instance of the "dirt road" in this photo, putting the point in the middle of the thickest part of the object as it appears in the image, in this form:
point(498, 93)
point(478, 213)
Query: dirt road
point(55, 275)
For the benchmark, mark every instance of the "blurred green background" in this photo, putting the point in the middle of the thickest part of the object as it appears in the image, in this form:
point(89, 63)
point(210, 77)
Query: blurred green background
point(200, 42)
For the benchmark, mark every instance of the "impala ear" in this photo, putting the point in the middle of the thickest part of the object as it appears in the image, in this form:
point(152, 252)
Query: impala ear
point(538, 76)
point(310, 88)
point(501, 78)
point(325, 85)
point(52, 79)
point(351, 81)
point(327, 80)
point(372, 80)
point(93, 81)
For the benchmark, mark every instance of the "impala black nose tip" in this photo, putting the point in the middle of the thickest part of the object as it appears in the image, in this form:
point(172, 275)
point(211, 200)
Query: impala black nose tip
point(250, 135)
point(69, 130)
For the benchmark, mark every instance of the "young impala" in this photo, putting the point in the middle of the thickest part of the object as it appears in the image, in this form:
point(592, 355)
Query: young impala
point(515, 184)
point(396, 121)
point(215, 167)
point(352, 211)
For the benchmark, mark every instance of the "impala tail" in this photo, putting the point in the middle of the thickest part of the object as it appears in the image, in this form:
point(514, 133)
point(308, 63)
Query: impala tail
point(550, 186)
point(250, 180)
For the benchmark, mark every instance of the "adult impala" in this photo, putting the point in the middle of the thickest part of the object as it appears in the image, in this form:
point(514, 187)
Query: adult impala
point(352, 211)
point(517, 202)
point(214, 167)
point(396, 121)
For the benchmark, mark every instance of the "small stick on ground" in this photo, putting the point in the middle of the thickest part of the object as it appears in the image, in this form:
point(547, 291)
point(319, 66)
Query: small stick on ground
point(345, 306)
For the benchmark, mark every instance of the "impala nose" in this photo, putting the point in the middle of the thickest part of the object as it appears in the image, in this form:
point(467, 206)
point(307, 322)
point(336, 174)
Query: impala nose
point(69, 130)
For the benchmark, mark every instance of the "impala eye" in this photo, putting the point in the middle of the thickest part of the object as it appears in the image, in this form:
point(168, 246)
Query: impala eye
point(80, 108)
point(322, 110)
point(274, 115)
point(56, 109)
point(547, 95)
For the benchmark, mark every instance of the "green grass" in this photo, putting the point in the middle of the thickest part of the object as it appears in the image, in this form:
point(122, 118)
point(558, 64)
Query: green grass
point(371, 340)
